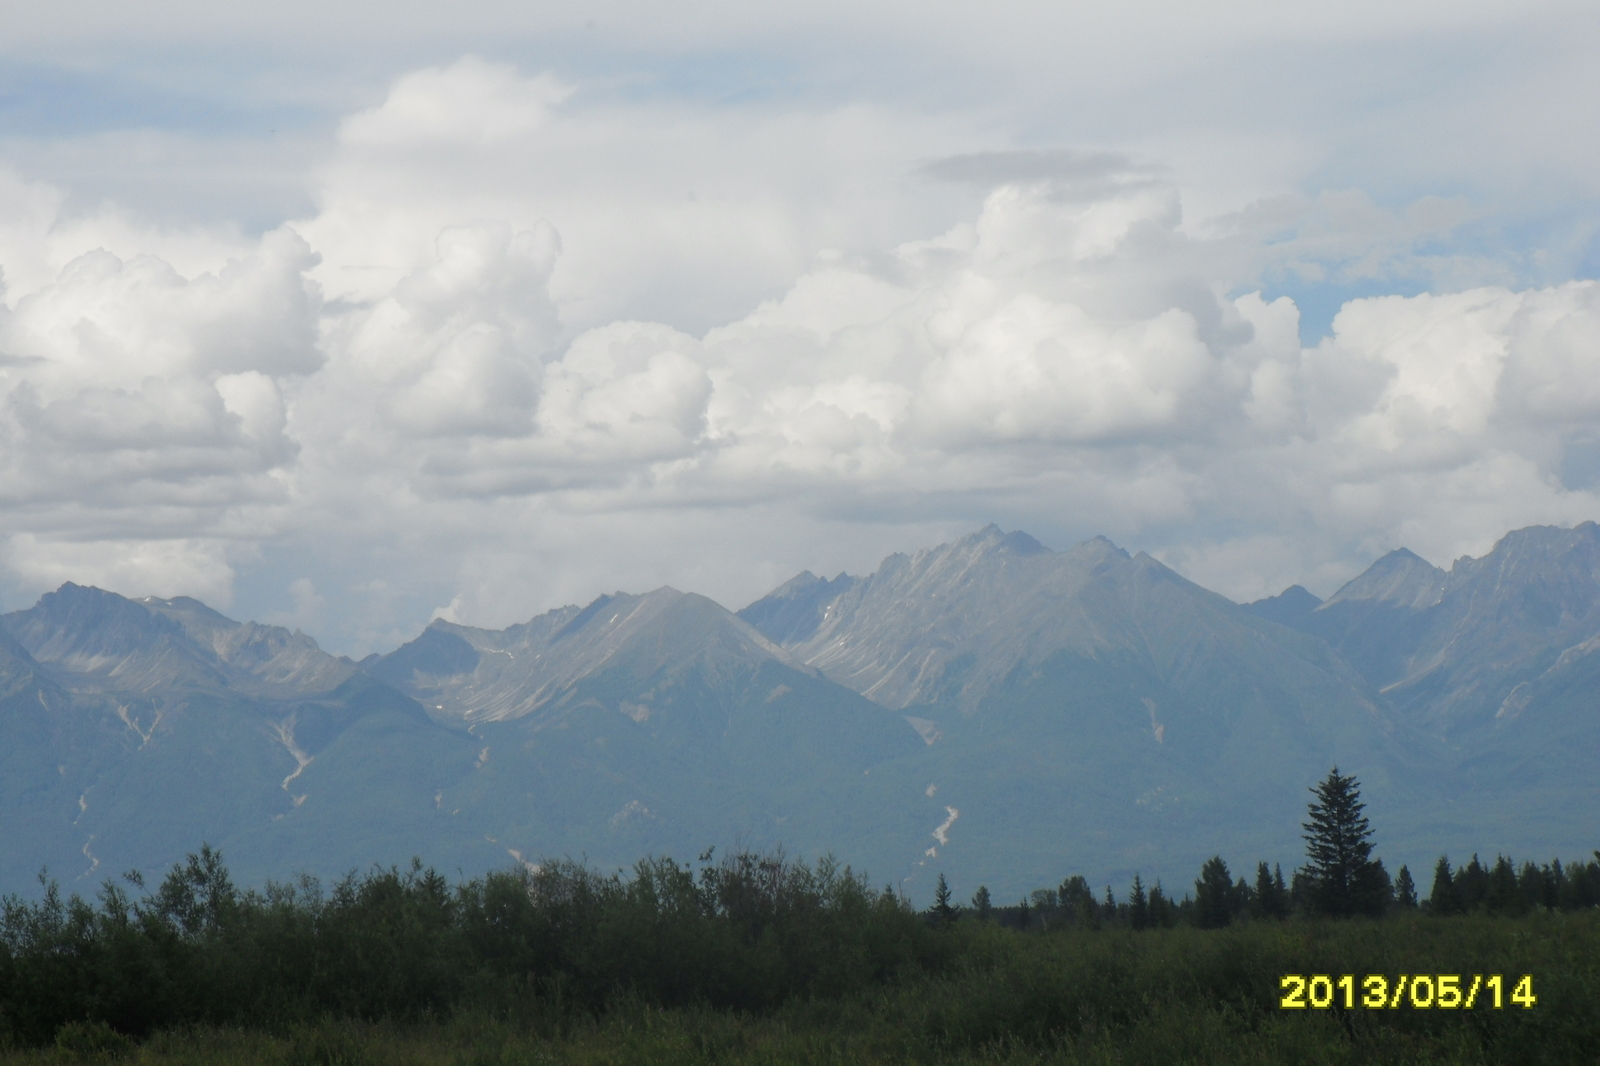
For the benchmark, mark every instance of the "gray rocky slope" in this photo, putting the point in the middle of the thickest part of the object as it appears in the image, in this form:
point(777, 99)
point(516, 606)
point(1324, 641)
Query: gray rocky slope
point(1096, 708)
point(1497, 659)
point(1456, 649)
point(131, 731)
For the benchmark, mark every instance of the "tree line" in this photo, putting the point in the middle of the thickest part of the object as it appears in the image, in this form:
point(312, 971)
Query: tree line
point(1340, 879)
point(746, 933)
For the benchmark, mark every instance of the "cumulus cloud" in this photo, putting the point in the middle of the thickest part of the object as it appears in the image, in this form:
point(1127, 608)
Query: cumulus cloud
point(458, 382)
point(144, 407)
point(133, 567)
point(455, 348)
point(665, 212)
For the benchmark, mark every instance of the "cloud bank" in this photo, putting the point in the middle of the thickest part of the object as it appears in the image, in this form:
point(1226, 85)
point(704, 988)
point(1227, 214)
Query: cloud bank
point(521, 353)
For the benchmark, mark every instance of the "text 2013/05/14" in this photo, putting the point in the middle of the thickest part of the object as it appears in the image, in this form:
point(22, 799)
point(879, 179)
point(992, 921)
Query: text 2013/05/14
point(1444, 991)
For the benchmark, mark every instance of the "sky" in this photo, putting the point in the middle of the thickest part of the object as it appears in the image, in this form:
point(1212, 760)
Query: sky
point(346, 316)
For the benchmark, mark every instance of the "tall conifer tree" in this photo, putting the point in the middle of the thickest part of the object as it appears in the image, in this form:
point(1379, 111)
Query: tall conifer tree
point(1213, 895)
point(1344, 880)
point(1442, 899)
point(982, 904)
point(1160, 907)
point(941, 902)
point(1271, 898)
point(1138, 905)
point(1405, 890)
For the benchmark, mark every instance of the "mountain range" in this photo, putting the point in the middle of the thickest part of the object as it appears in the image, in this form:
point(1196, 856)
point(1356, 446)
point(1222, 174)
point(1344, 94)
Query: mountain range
point(989, 708)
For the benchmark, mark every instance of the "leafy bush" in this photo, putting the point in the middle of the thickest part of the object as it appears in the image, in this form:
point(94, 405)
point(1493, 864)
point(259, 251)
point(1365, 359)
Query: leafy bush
point(92, 1040)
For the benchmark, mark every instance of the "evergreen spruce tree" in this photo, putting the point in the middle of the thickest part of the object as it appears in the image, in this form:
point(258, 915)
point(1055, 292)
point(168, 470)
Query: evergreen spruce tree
point(1442, 899)
point(1472, 884)
point(1270, 898)
point(982, 905)
point(1280, 892)
point(1532, 887)
point(941, 902)
point(1503, 896)
point(1343, 879)
point(1555, 885)
point(1379, 888)
point(1160, 908)
point(1300, 892)
point(1263, 900)
point(1213, 895)
point(1405, 890)
point(1138, 905)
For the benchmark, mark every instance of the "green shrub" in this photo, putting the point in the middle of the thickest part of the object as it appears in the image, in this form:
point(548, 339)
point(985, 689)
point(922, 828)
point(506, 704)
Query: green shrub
point(92, 1040)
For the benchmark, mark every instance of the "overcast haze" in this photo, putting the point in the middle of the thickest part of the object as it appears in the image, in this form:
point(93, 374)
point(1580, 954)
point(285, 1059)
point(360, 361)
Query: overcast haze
point(347, 315)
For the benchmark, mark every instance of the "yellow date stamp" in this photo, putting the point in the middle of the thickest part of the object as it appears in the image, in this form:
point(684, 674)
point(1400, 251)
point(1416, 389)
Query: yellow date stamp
point(1420, 991)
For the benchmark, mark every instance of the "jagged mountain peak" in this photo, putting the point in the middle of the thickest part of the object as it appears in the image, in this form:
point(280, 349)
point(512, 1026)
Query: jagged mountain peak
point(89, 632)
point(463, 672)
point(795, 609)
point(141, 645)
point(85, 609)
point(1104, 546)
point(991, 538)
point(1288, 607)
point(801, 583)
point(189, 612)
point(986, 549)
point(1450, 647)
point(949, 624)
point(1400, 579)
point(1537, 552)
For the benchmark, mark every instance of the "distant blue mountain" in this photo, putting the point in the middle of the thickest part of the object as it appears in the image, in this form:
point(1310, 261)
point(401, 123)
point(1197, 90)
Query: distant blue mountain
point(989, 709)
point(133, 730)
point(1288, 608)
point(793, 611)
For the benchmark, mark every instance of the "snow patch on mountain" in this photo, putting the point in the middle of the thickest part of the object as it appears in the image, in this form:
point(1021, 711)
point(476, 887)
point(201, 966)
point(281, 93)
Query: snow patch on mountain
point(1157, 730)
point(632, 811)
point(284, 731)
point(132, 723)
point(942, 834)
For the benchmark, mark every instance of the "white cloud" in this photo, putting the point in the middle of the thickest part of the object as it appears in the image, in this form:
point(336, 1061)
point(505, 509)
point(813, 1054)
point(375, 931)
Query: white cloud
point(474, 374)
point(171, 567)
point(665, 211)
point(455, 348)
point(133, 387)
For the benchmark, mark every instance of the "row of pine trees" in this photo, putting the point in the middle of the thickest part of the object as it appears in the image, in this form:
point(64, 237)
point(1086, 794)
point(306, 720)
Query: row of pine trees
point(1340, 879)
point(1218, 900)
